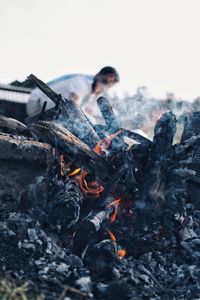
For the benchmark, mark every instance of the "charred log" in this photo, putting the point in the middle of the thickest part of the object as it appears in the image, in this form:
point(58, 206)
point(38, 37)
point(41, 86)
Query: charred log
point(64, 207)
point(88, 228)
point(19, 149)
point(21, 161)
point(79, 153)
point(67, 113)
point(108, 115)
point(9, 125)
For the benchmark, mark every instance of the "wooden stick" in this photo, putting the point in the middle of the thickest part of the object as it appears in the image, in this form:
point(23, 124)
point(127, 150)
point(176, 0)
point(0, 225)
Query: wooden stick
point(67, 113)
point(78, 152)
point(108, 114)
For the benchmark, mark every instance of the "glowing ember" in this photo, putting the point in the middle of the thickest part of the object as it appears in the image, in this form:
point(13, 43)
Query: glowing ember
point(121, 253)
point(115, 203)
point(97, 149)
point(75, 172)
point(111, 235)
point(91, 188)
point(105, 143)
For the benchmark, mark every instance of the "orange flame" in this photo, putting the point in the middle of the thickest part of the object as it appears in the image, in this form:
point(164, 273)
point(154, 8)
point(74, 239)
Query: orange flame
point(91, 188)
point(121, 253)
point(111, 235)
point(75, 172)
point(115, 203)
point(105, 143)
point(97, 148)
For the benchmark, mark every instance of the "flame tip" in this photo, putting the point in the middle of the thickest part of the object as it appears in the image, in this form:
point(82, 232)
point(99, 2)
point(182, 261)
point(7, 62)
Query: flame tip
point(75, 172)
point(115, 203)
point(111, 235)
point(121, 253)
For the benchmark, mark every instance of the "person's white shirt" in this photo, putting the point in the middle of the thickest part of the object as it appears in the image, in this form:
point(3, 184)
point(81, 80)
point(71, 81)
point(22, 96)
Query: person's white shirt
point(78, 84)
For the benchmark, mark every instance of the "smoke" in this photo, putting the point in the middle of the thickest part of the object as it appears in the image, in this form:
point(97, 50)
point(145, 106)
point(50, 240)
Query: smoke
point(141, 111)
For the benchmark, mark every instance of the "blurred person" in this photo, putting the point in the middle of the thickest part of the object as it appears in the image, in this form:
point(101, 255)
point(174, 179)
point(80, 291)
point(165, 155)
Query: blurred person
point(83, 89)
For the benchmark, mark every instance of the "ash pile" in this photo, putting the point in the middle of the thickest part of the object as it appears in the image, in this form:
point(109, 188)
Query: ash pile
point(100, 212)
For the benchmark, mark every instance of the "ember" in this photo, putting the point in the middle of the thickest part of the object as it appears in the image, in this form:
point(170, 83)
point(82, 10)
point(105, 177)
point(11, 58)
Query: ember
point(89, 188)
point(100, 218)
point(104, 144)
point(115, 204)
point(75, 172)
point(121, 253)
point(111, 235)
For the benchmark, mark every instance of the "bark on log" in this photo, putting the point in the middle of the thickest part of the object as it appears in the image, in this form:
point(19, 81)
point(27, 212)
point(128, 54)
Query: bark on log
point(21, 161)
point(67, 113)
point(26, 151)
point(78, 152)
point(108, 114)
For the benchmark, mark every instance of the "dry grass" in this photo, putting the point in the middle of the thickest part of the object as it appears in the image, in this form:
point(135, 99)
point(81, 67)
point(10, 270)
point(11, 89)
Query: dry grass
point(9, 290)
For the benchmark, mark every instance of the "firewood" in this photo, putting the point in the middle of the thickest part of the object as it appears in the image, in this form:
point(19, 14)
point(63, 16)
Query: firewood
point(78, 152)
point(108, 114)
point(67, 113)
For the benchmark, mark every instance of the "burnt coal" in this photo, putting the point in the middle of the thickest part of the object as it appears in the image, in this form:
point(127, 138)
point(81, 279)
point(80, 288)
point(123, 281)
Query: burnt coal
point(64, 209)
point(109, 218)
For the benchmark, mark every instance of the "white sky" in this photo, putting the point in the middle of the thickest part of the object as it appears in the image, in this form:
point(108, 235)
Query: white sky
point(151, 42)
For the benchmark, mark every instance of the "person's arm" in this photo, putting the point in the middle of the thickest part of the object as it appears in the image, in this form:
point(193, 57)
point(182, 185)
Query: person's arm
point(73, 96)
point(79, 89)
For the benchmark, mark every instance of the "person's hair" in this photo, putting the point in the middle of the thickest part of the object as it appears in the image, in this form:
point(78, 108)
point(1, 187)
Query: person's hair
point(103, 72)
point(108, 71)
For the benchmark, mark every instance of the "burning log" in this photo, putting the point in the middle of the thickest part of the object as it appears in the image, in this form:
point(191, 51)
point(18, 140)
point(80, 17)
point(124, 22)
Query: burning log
point(91, 188)
point(67, 113)
point(78, 152)
point(88, 229)
point(91, 224)
point(108, 115)
point(97, 216)
point(113, 126)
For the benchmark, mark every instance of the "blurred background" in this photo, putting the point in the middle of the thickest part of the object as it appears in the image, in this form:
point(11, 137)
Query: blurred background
point(153, 44)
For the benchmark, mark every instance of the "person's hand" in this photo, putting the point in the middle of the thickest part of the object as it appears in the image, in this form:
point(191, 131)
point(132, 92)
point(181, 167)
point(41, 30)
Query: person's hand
point(74, 97)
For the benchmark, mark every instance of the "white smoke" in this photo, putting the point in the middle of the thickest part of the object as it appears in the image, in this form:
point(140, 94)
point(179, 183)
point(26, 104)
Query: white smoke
point(141, 111)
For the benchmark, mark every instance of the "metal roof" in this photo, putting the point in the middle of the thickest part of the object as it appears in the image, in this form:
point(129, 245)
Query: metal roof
point(14, 93)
